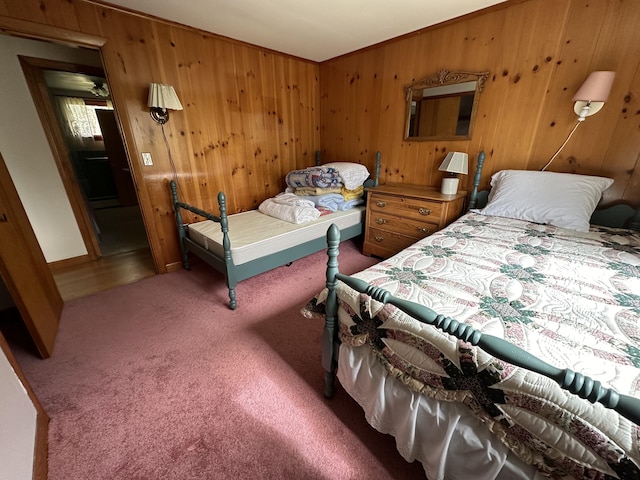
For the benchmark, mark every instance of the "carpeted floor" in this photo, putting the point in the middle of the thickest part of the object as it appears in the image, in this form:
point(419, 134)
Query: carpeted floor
point(160, 380)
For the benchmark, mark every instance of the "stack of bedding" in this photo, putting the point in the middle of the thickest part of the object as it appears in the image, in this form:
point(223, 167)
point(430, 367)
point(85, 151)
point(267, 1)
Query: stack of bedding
point(319, 190)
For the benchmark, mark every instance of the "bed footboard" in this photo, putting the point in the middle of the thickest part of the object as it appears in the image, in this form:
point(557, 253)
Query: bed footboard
point(224, 265)
point(576, 383)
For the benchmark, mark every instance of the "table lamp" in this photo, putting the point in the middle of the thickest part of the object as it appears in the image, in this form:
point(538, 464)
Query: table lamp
point(454, 163)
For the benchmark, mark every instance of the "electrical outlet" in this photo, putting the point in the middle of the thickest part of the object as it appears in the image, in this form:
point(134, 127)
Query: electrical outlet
point(146, 158)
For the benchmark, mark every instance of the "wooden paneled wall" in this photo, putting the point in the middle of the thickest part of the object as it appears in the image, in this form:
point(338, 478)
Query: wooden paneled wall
point(250, 115)
point(538, 53)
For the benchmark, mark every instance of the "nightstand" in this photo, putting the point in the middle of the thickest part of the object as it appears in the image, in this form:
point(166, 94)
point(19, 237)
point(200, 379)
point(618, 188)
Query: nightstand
point(400, 215)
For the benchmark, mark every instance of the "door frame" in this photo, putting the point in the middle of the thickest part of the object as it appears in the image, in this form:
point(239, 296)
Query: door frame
point(38, 31)
point(33, 72)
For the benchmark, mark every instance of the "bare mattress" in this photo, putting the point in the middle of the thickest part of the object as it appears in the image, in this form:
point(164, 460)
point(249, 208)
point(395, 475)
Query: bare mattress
point(255, 235)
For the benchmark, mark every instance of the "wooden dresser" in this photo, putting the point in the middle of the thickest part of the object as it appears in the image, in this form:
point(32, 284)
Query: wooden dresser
point(399, 215)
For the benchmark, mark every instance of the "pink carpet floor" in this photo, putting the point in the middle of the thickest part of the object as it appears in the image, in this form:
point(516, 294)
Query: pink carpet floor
point(160, 380)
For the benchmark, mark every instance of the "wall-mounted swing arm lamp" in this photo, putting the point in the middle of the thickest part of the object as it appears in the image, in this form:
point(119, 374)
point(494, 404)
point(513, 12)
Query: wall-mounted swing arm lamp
point(162, 98)
point(592, 94)
point(589, 99)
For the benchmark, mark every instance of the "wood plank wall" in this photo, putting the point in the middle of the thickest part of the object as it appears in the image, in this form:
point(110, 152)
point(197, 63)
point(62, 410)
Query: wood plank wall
point(538, 53)
point(250, 115)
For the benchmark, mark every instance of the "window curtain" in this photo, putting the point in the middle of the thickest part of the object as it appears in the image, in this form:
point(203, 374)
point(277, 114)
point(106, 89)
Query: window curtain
point(80, 125)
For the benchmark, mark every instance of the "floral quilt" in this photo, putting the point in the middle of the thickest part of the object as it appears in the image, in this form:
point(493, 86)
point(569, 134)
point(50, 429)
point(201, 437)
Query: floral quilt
point(570, 298)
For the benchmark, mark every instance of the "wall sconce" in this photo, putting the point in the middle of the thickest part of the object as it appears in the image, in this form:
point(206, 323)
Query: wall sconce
point(591, 96)
point(454, 163)
point(589, 99)
point(162, 98)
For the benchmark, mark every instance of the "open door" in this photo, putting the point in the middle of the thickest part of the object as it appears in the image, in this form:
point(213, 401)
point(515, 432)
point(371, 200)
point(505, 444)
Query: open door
point(117, 158)
point(25, 271)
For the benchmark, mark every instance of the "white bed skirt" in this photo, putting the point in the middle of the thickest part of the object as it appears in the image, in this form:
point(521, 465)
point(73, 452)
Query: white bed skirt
point(449, 441)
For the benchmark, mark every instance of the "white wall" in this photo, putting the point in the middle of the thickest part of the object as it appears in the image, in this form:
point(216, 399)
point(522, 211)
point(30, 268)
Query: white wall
point(17, 425)
point(27, 154)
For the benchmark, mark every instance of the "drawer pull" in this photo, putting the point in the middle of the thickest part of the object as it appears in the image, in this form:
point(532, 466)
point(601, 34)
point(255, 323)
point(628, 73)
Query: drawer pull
point(381, 203)
point(378, 238)
point(424, 230)
point(380, 221)
point(424, 211)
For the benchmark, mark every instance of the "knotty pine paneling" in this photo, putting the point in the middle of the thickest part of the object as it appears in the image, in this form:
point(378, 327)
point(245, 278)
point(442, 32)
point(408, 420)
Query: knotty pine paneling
point(250, 115)
point(538, 53)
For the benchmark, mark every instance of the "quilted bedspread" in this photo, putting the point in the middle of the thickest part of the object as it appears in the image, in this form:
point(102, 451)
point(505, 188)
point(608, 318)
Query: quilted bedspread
point(570, 298)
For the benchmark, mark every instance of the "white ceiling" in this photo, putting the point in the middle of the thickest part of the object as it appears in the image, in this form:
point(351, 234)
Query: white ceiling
point(313, 29)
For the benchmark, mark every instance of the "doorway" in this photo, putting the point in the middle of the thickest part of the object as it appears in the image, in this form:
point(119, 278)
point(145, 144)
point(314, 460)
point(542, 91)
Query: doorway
point(78, 108)
point(103, 235)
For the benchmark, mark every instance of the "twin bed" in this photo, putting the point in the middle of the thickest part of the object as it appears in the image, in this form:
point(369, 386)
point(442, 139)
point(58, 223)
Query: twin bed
point(524, 293)
point(246, 244)
point(466, 344)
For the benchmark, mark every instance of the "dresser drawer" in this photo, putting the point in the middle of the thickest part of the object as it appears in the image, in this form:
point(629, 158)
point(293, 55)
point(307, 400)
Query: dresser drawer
point(421, 210)
point(381, 220)
point(391, 241)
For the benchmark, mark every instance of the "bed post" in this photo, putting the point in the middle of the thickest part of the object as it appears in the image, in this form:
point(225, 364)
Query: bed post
point(318, 158)
point(226, 245)
point(634, 222)
point(473, 201)
point(181, 232)
point(376, 178)
point(330, 333)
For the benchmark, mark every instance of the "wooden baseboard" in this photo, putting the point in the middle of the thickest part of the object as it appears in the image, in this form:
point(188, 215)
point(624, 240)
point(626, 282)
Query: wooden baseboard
point(41, 454)
point(173, 267)
point(69, 262)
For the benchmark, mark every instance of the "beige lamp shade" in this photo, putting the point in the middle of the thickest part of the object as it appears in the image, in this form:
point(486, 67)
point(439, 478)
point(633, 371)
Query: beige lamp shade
point(454, 163)
point(162, 98)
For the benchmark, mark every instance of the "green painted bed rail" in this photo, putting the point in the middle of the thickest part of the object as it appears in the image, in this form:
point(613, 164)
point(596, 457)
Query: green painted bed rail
point(576, 383)
point(223, 220)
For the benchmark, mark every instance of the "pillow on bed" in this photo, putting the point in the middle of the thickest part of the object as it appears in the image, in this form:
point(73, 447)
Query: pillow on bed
point(353, 174)
point(562, 199)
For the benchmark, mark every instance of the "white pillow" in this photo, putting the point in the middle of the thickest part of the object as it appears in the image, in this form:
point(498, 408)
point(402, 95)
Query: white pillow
point(562, 199)
point(353, 174)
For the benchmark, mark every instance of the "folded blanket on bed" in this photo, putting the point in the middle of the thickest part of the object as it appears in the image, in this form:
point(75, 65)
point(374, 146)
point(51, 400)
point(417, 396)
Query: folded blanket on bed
point(288, 213)
point(314, 177)
point(348, 204)
point(332, 201)
point(314, 190)
point(293, 200)
point(352, 194)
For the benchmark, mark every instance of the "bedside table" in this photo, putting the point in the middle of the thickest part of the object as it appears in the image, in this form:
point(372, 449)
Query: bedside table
point(400, 215)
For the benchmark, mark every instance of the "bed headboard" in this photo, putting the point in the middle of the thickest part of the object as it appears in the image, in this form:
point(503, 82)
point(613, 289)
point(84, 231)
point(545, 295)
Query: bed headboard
point(618, 215)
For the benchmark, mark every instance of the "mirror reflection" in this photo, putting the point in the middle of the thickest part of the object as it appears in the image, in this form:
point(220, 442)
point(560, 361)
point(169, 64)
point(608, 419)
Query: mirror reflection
point(443, 106)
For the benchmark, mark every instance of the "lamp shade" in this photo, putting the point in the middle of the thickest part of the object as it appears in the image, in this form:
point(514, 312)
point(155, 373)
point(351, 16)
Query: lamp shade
point(596, 87)
point(163, 96)
point(455, 162)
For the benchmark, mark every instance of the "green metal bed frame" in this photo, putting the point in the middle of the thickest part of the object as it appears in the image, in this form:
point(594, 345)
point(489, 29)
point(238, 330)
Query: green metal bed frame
point(574, 382)
point(225, 265)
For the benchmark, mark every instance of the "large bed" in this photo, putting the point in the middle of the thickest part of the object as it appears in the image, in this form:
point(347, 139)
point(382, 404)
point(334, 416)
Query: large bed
point(418, 340)
point(248, 243)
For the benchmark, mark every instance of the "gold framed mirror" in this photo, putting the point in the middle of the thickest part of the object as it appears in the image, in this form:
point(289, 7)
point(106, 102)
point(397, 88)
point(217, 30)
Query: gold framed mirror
point(443, 106)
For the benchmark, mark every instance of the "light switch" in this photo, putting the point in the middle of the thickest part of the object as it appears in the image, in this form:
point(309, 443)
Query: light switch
point(146, 158)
